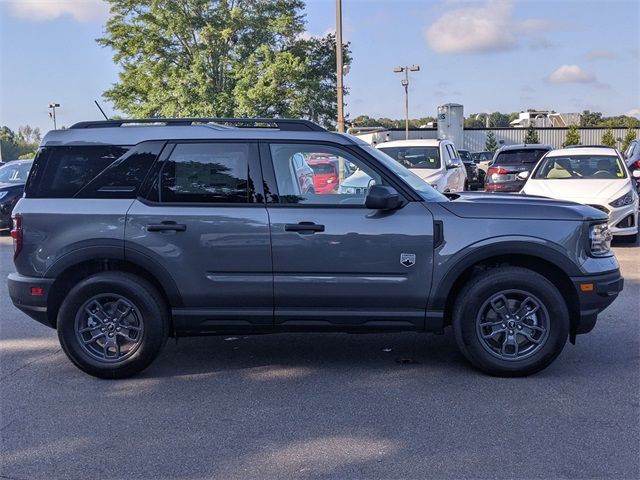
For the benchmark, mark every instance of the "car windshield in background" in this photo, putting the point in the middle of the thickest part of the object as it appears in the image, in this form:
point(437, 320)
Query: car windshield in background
point(415, 157)
point(414, 181)
point(323, 168)
point(465, 156)
point(580, 167)
point(516, 157)
point(15, 172)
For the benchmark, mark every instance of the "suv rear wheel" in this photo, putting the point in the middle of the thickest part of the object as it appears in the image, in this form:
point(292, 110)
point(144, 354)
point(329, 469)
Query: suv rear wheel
point(113, 324)
point(510, 321)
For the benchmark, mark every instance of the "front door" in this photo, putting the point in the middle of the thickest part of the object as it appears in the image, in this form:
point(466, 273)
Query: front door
point(205, 224)
point(335, 262)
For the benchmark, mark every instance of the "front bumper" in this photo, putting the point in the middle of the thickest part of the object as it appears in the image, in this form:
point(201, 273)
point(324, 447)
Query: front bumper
point(595, 293)
point(20, 291)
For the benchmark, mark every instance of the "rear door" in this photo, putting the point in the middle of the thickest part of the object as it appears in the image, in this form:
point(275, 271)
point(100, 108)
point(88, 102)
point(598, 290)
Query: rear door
point(337, 263)
point(203, 222)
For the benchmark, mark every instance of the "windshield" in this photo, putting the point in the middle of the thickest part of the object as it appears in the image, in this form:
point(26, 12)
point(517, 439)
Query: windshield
point(425, 190)
point(580, 167)
point(516, 157)
point(15, 172)
point(415, 157)
point(323, 168)
point(465, 156)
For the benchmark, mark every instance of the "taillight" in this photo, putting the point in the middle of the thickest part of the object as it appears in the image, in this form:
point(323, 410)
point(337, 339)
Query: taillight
point(17, 234)
point(497, 170)
point(637, 163)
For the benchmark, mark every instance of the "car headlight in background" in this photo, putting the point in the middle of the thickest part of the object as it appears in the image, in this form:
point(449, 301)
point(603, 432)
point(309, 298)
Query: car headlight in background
point(626, 199)
point(347, 190)
point(3, 194)
point(600, 237)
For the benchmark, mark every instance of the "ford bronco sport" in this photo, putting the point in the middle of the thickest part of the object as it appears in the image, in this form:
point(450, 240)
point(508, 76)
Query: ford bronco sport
point(131, 231)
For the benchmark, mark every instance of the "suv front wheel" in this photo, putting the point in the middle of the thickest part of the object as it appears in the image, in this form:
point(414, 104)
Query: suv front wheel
point(113, 324)
point(510, 321)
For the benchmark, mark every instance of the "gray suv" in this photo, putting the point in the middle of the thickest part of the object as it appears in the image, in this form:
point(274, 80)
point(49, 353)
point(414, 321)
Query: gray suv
point(133, 231)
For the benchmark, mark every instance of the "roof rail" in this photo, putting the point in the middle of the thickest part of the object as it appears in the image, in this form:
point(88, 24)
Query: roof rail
point(280, 123)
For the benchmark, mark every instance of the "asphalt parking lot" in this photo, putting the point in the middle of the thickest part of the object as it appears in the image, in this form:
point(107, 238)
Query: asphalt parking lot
point(322, 406)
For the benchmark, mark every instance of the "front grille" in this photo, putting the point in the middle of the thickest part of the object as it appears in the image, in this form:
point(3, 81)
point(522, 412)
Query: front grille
point(601, 208)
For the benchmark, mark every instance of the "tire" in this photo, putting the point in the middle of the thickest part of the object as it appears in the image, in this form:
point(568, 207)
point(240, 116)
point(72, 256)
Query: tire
point(511, 354)
point(90, 310)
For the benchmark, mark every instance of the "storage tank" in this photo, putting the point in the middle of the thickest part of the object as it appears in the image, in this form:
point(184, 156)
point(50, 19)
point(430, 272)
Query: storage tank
point(451, 123)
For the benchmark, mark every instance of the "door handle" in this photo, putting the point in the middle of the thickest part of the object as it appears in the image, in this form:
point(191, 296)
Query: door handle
point(167, 226)
point(303, 227)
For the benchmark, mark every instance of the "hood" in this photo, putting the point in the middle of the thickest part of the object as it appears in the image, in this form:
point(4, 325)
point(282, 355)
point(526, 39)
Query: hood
point(582, 191)
point(518, 207)
point(357, 179)
point(427, 174)
point(10, 186)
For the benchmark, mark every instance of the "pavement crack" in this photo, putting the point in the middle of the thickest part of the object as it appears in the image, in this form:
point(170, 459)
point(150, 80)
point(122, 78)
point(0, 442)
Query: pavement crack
point(35, 360)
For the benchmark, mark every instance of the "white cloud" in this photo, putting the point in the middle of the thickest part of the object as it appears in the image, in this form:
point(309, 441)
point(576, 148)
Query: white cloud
point(487, 28)
point(43, 10)
point(634, 112)
point(570, 74)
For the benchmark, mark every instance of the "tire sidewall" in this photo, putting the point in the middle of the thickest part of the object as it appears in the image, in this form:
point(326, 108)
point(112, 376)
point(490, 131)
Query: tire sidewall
point(152, 312)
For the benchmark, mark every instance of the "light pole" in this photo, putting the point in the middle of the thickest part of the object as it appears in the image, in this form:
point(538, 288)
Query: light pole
point(405, 84)
point(52, 113)
point(339, 68)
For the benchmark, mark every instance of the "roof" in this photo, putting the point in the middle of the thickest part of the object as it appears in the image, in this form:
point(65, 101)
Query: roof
point(583, 151)
point(132, 132)
point(424, 142)
point(524, 146)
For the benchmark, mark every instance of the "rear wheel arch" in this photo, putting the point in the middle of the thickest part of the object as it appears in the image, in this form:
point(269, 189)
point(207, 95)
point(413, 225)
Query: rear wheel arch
point(73, 273)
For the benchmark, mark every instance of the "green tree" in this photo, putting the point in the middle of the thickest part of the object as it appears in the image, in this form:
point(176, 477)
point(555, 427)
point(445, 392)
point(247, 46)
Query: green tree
point(219, 58)
point(573, 136)
point(532, 135)
point(497, 119)
point(608, 138)
point(22, 144)
point(491, 144)
point(629, 136)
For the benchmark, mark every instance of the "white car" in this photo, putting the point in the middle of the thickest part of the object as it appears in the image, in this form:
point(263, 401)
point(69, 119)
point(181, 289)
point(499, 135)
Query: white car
point(593, 176)
point(435, 161)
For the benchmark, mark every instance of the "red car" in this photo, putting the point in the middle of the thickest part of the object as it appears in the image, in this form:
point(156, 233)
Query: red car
point(325, 173)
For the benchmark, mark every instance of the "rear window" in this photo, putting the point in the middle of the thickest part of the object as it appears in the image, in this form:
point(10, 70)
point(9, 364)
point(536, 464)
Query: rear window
point(61, 172)
point(516, 157)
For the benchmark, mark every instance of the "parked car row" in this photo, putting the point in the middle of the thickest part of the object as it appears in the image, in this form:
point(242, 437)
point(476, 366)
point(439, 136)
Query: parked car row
point(13, 176)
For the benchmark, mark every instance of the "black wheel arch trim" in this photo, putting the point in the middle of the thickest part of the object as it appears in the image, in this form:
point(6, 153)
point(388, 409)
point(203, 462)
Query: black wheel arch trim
point(474, 254)
point(117, 251)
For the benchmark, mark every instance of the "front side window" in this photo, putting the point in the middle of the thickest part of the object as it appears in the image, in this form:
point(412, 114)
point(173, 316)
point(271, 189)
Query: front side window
point(206, 173)
point(580, 167)
point(415, 157)
point(320, 175)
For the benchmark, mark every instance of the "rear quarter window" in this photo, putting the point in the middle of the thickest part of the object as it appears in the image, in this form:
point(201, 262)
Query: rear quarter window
point(61, 172)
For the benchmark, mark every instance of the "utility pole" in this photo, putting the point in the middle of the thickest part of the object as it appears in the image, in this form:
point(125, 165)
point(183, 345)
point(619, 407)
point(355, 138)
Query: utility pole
point(52, 114)
point(339, 69)
point(405, 84)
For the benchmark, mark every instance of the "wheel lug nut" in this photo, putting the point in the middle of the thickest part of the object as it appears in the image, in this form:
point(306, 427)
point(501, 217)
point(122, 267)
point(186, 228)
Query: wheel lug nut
point(510, 332)
point(102, 329)
point(504, 325)
point(111, 334)
point(519, 327)
point(118, 329)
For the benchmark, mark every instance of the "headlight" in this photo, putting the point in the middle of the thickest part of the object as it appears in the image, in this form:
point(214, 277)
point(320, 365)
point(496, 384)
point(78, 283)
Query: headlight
point(3, 194)
point(626, 199)
point(347, 190)
point(600, 237)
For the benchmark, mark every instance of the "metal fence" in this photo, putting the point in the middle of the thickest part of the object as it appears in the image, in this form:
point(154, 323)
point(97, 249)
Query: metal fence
point(475, 138)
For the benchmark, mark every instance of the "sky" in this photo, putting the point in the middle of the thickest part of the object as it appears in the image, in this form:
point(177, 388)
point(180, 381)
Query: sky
point(489, 55)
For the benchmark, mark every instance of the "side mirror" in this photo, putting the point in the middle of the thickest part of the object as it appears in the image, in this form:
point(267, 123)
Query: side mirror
point(635, 174)
point(523, 175)
point(382, 197)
